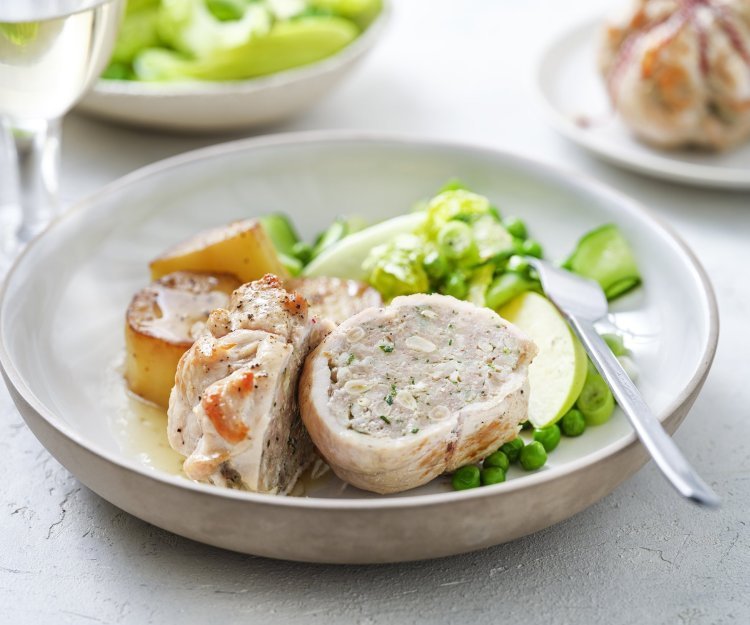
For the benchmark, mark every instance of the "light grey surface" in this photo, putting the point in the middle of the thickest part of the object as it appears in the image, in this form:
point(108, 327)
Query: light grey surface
point(455, 70)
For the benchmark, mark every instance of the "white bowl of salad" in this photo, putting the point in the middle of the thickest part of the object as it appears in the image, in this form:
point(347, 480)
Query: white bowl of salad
point(221, 65)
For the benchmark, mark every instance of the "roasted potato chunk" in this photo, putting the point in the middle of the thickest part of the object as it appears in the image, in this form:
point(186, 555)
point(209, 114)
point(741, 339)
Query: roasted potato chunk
point(242, 249)
point(161, 323)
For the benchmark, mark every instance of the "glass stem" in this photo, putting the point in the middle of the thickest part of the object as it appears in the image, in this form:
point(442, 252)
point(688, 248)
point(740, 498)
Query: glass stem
point(37, 146)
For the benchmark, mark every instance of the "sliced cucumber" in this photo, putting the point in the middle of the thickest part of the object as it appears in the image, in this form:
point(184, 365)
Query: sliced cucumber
point(595, 402)
point(605, 256)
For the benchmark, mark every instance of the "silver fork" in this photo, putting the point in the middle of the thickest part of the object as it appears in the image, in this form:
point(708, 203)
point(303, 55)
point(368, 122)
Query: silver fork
point(582, 302)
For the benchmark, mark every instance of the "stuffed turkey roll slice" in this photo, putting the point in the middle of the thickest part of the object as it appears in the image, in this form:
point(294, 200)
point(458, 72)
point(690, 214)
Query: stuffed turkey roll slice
point(395, 396)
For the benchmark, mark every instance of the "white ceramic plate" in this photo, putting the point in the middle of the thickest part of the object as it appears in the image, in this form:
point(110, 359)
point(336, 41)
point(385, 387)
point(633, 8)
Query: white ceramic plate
point(232, 105)
point(62, 311)
point(572, 91)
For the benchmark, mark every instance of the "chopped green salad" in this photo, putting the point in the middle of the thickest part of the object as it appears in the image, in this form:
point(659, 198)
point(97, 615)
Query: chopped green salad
point(169, 40)
point(460, 244)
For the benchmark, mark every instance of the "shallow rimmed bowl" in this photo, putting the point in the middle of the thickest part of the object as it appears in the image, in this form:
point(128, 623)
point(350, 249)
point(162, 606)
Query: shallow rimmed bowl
point(62, 307)
point(205, 106)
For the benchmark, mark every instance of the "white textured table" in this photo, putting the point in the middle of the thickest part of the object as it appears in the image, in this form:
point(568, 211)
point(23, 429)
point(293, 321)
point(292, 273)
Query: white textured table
point(448, 69)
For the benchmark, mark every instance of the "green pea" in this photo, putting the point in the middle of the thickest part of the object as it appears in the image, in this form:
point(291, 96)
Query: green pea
point(531, 247)
point(435, 265)
point(549, 437)
point(573, 423)
point(456, 240)
point(512, 449)
point(517, 264)
point(492, 475)
point(498, 459)
point(533, 456)
point(515, 227)
point(466, 477)
point(456, 286)
point(595, 402)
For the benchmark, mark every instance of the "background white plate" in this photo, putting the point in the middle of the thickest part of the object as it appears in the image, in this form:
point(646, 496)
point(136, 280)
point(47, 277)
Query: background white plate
point(62, 311)
point(205, 106)
point(572, 90)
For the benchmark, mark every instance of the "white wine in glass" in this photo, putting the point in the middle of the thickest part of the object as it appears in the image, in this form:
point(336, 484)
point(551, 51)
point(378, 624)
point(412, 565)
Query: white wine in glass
point(50, 52)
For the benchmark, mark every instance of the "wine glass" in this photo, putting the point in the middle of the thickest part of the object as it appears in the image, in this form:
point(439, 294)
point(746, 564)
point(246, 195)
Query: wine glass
point(50, 52)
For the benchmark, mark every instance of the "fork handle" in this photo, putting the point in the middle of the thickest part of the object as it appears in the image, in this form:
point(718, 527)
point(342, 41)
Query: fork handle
point(659, 444)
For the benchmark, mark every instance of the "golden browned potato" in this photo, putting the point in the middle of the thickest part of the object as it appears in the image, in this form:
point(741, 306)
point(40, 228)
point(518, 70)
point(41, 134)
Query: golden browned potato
point(161, 323)
point(242, 249)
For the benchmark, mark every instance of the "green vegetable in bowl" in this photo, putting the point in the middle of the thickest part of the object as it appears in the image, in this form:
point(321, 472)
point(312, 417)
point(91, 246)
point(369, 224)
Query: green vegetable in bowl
point(478, 285)
point(466, 477)
point(458, 204)
point(530, 247)
point(455, 241)
point(533, 456)
point(605, 256)
point(226, 10)
point(492, 475)
point(341, 228)
point(549, 437)
point(595, 402)
point(498, 459)
point(347, 257)
point(616, 344)
point(139, 5)
point(505, 287)
point(396, 268)
point(281, 232)
point(455, 285)
point(435, 265)
point(361, 12)
point(139, 30)
point(572, 424)
point(189, 27)
point(287, 44)
point(518, 264)
point(515, 227)
point(167, 40)
point(512, 449)
point(493, 240)
point(284, 238)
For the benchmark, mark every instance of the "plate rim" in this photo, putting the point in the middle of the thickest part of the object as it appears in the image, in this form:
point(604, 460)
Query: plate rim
point(664, 167)
point(110, 88)
point(575, 179)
